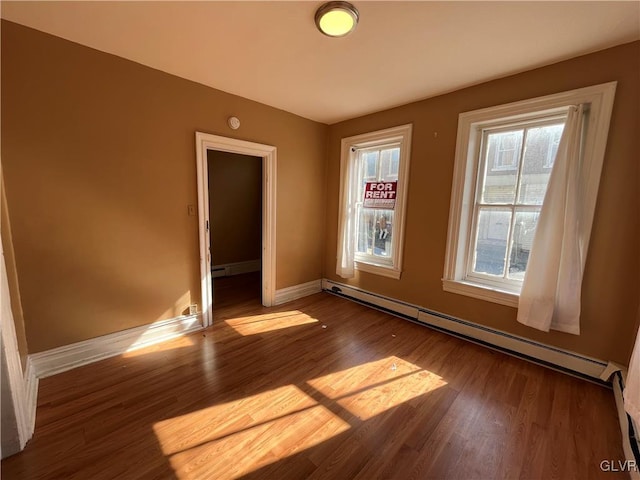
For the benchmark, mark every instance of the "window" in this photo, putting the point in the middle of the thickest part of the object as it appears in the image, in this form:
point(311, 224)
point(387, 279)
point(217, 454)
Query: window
point(374, 170)
point(504, 159)
point(374, 231)
point(508, 199)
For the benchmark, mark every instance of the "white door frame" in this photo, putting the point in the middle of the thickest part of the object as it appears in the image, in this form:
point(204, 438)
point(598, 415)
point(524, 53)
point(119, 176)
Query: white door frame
point(15, 380)
point(205, 142)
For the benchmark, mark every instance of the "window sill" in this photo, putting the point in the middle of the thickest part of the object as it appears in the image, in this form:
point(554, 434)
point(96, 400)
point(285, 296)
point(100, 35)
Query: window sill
point(482, 292)
point(378, 270)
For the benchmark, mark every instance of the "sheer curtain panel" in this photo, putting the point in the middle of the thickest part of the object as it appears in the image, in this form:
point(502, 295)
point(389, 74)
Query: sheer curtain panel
point(550, 295)
point(345, 265)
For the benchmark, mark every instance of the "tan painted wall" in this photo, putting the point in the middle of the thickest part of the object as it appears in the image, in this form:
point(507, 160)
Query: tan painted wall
point(12, 275)
point(235, 207)
point(99, 163)
point(99, 160)
point(610, 288)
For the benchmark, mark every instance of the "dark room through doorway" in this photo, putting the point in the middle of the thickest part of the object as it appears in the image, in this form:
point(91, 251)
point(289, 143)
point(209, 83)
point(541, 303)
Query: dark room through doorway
point(235, 215)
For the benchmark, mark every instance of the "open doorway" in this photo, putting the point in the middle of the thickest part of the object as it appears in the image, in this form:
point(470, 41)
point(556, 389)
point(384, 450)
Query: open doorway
point(267, 153)
point(235, 216)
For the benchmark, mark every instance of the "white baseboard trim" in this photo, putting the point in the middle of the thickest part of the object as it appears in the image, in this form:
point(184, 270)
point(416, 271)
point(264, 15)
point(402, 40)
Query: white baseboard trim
point(31, 395)
point(67, 357)
point(289, 294)
point(13, 373)
point(547, 355)
point(236, 268)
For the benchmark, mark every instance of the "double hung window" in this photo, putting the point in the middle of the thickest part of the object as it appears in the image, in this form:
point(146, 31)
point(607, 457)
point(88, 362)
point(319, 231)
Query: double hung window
point(374, 231)
point(509, 194)
point(504, 161)
point(374, 169)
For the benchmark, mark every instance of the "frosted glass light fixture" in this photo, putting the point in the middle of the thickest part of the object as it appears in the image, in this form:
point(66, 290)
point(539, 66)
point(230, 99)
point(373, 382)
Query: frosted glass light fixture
point(336, 19)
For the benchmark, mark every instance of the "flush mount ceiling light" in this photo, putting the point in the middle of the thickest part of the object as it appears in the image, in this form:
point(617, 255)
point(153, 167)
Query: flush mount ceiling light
point(336, 19)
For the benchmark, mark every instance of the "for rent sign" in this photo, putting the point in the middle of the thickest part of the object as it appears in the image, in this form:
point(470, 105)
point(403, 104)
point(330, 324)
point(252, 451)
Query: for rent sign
point(380, 195)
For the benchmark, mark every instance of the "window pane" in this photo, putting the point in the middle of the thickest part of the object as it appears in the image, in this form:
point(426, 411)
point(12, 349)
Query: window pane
point(383, 233)
point(501, 166)
point(389, 164)
point(371, 165)
point(491, 241)
point(382, 242)
point(364, 241)
point(523, 231)
point(395, 161)
point(375, 232)
point(540, 152)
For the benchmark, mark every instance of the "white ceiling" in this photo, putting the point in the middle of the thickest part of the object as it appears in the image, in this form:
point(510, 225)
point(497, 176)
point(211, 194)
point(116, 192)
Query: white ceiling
point(400, 52)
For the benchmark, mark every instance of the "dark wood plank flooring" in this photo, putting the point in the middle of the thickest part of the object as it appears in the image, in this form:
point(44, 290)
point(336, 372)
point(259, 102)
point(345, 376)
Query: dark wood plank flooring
point(318, 388)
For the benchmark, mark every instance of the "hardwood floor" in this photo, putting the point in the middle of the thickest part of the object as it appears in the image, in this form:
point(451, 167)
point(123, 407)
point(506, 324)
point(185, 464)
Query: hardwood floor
point(318, 388)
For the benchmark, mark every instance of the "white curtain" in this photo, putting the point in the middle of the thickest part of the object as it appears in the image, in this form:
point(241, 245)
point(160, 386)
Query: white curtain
point(550, 295)
point(345, 265)
point(632, 387)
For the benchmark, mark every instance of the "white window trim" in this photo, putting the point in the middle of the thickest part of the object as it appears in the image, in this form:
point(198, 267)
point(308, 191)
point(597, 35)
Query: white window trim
point(599, 97)
point(402, 135)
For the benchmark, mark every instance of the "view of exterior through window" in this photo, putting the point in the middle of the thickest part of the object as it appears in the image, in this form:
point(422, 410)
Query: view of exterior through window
point(514, 169)
point(375, 226)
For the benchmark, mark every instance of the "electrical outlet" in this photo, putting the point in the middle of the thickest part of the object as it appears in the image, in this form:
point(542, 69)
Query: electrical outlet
point(193, 309)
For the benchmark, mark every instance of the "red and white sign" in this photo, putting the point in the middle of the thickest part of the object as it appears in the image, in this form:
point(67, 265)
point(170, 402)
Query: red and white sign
point(380, 195)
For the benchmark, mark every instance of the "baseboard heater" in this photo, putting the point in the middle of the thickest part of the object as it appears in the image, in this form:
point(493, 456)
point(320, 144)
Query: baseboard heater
point(236, 268)
point(546, 355)
point(218, 272)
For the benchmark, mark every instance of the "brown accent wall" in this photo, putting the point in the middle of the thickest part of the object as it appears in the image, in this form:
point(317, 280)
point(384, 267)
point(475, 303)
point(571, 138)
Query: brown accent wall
point(99, 160)
point(235, 207)
point(12, 275)
point(611, 284)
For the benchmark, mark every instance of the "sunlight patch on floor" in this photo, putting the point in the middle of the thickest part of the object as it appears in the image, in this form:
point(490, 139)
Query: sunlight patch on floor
point(241, 435)
point(255, 447)
point(255, 324)
point(137, 351)
point(369, 389)
point(227, 418)
point(219, 441)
